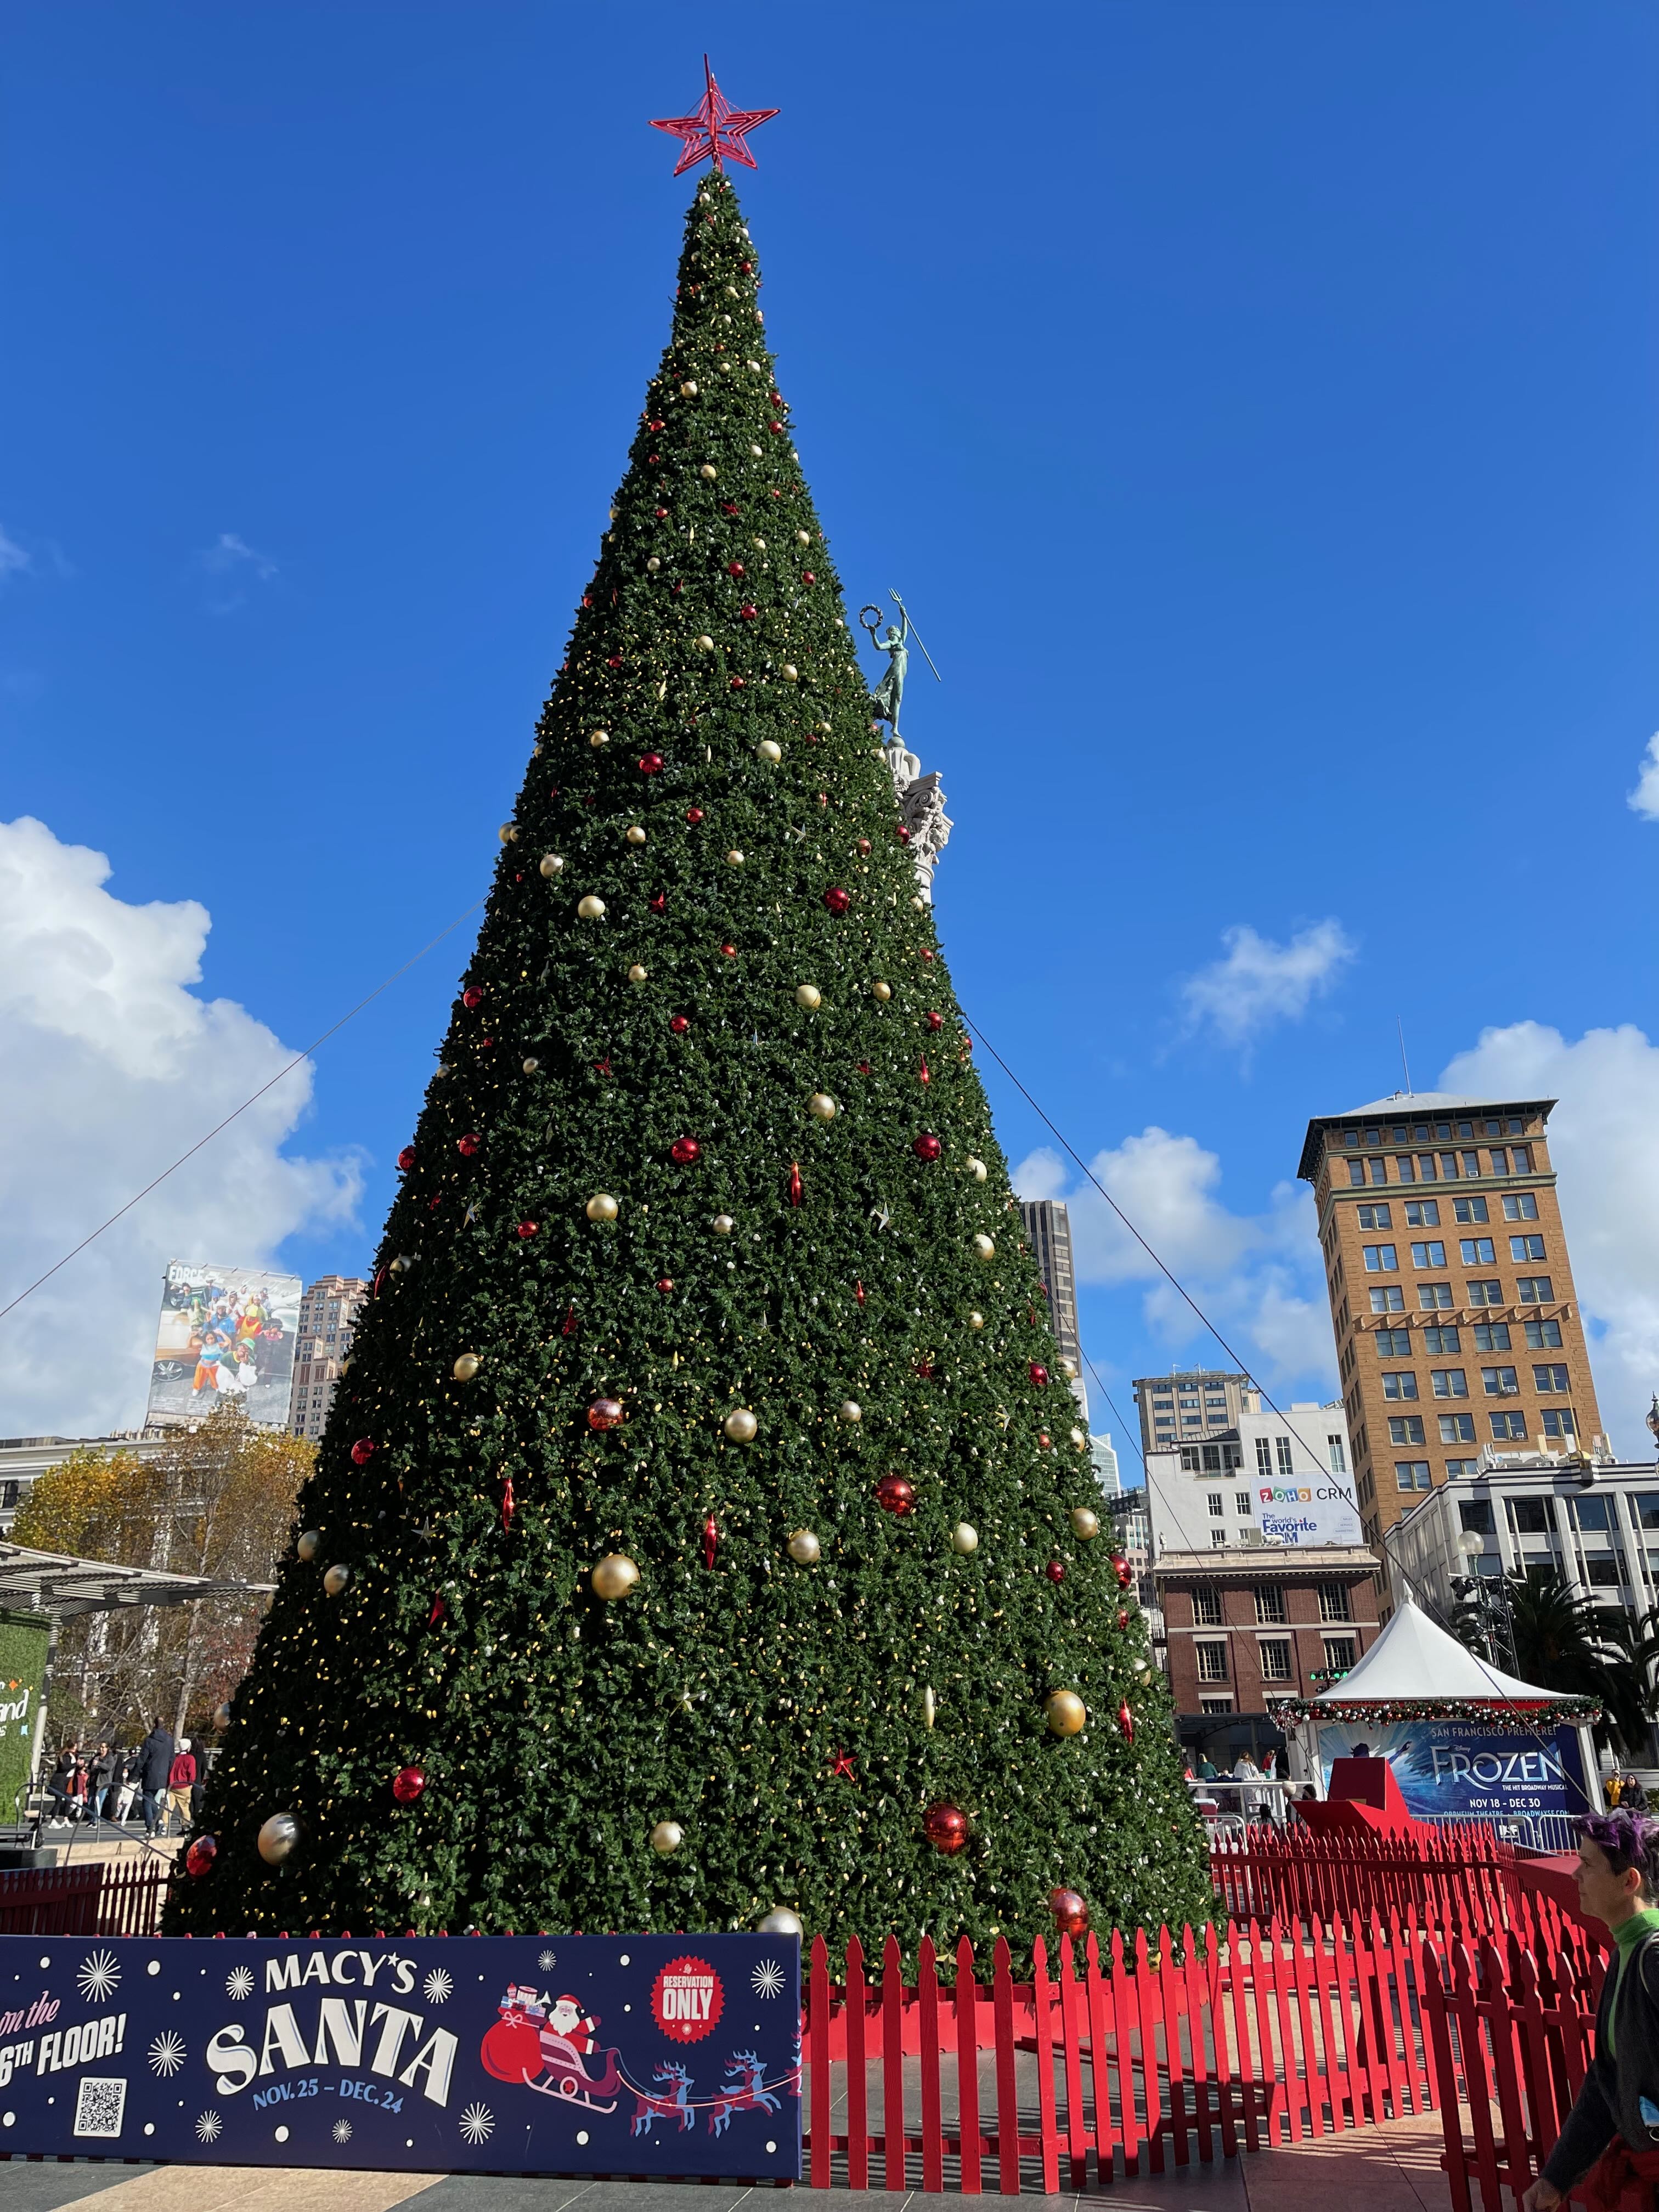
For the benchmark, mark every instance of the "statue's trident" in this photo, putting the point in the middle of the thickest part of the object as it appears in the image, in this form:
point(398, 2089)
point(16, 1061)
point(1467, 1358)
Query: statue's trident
point(905, 612)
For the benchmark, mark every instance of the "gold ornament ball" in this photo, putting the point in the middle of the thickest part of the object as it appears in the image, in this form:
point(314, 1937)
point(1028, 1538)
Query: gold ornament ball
point(926, 1706)
point(552, 865)
point(599, 738)
point(804, 1548)
point(754, 452)
point(976, 1322)
point(615, 1576)
point(653, 564)
point(532, 1065)
point(823, 1106)
point(636, 973)
point(707, 472)
point(1145, 1675)
point(984, 1247)
point(666, 1837)
point(1085, 1522)
point(689, 390)
point(508, 833)
point(306, 1546)
point(769, 749)
point(722, 1224)
point(590, 909)
point(734, 858)
point(635, 835)
point(825, 726)
point(1065, 1713)
point(1067, 1368)
point(1079, 1440)
point(781, 1921)
point(759, 544)
point(466, 1367)
point(803, 538)
point(741, 1424)
point(277, 1838)
point(791, 673)
point(808, 995)
point(705, 645)
point(977, 1169)
point(883, 991)
point(964, 1538)
point(850, 1412)
point(336, 1580)
point(602, 1206)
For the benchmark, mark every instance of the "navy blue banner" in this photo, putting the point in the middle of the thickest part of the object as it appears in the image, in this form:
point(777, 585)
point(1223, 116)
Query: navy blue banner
point(489, 2054)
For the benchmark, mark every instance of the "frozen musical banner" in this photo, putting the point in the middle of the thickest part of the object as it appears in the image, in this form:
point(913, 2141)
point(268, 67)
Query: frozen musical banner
point(489, 2054)
point(1459, 1768)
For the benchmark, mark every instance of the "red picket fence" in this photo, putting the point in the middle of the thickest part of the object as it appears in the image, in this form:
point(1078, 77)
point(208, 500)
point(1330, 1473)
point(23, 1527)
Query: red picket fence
point(1454, 1878)
point(93, 1899)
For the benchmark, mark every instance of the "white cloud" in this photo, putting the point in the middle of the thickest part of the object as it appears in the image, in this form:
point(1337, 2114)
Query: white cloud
point(1258, 1277)
point(1644, 799)
point(231, 553)
point(13, 559)
point(1260, 983)
point(110, 1068)
point(1602, 1145)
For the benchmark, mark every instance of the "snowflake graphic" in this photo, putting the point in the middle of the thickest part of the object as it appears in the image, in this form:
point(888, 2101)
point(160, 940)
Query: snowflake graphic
point(167, 2054)
point(547, 1960)
point(341, 2131)
point(767, 1980)
point(207, 2127)
point(239, 1983)
point(477, 2125)
point(437, 1986)
point(98, 1976)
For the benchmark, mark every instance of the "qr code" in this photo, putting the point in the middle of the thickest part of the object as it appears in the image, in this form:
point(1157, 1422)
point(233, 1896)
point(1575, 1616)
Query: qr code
point(101, 2106)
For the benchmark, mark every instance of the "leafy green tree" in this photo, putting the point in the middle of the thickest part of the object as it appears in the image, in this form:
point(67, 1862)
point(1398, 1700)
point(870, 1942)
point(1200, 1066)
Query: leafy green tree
point(703, 1505)
point(1564, 1640)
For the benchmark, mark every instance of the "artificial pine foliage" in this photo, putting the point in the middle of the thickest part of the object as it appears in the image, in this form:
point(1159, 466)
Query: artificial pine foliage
point(705, 773)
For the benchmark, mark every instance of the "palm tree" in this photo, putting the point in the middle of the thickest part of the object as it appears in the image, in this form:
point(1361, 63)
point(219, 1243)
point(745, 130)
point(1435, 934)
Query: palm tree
point(1563, 1640)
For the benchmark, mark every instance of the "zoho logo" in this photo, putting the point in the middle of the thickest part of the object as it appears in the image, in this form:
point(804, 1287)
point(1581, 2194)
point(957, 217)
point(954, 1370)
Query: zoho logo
point(1287, 1494)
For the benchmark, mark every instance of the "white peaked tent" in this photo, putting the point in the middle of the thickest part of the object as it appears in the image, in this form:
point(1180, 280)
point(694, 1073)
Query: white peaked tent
point(1413, 1659)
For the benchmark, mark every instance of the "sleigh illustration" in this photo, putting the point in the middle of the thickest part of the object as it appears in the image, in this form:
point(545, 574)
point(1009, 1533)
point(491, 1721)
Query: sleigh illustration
point(521, 2047)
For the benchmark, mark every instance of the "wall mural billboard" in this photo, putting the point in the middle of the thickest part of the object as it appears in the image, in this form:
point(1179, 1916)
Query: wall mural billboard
point(488, 2054)
point(225, 1337)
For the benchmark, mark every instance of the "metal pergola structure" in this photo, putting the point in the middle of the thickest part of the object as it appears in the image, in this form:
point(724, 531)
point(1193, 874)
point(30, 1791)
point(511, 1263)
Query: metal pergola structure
point(56, 1584)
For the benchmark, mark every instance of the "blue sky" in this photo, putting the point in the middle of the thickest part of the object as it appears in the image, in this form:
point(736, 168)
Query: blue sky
point(1258, 419)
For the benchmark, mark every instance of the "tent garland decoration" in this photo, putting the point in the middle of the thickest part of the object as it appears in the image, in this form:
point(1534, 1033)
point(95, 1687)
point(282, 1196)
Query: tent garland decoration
point(1416, 1672)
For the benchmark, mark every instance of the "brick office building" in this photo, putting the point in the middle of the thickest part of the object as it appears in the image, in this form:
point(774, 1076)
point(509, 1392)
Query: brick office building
point(1244, 1628)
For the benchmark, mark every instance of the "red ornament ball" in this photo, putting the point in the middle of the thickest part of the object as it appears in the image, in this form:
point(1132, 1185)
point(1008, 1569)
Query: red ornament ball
point(1045, 1442)
point(734, 568)
point(679, 1024)
point(685, 1151)
point(778, 427)
point(946, 1828)
point(928, 1146)
point(467, 1146)
point(836, 899)
point(528, 1229)
point(864, 844)
point(1056, 1571)
point(730, 951)
point(694, 815)
point(902, 835)
point(660, 512)
point(1038, 1373)
point(666, 1284)
point(408, 1783)
point(1122, 1569)
point(895, 1495)
point(406, 1159)
point(198, 1859)
point(649, 763)
point(748, 611)
point(926, 952)
point(1123, 1621)
point(363, 1451)
point(738, 682)
point(807, 577)
point(936, 1021)
point(1071, 1913)
point(472, 996)
point(605, 1413)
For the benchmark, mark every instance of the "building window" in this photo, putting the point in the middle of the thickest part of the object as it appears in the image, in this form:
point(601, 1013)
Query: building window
point(1242, 1503)
point(1392, 1299)
point(1520, 1206)
point(1427, 1169)
point(1333, 1602)
point(1526, 1247)
point(1534, 1291)
point(1400, 1386)
point(1457, 1428)
point(1470, 1209)
point(1338, 1654)
point(1217, 1540)
point(1456, 1466)
point(1546, 1379)
point(1215, 1704)
point(1558, 1422)
point(1434, 1298)
point(1270, 1605)
point(1491, 1336)
point(1448, 1166)
point(1339, 1458)
point(1356, 1171)
point(1423, 1213)
point(1531, 1516)
point(1282, 1453)
point(1412, 1474)
point(1499, 1381)
point(1264, 1455)
point(1430, 1255)
point(1275, 1658)
point(1509, 1427)
point(1375, 1217)
point(1206, 1608)
point(1394, 1343)
point(1645, 1504)
point(1477, 1516)
point(1405, 1169)
point(1485, 1294)
point(1212, 1662)
point(1604, 1573)
point(1449, 1382)
point(1543, 1335)
point(1217, 1509)
point(1405, 1428)
point(1380, 1259)
point(1590, 1512)
point(1442, 1337)
point(1475, 1251)
point(1471, 1160)
point(1189, 1456)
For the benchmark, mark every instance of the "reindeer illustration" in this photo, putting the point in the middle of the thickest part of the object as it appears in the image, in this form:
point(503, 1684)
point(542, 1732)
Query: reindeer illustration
point(670, 2106)
point(743, 2093)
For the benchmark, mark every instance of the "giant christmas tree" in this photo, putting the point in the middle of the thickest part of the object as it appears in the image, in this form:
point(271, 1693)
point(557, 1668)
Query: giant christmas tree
point(703, 1525)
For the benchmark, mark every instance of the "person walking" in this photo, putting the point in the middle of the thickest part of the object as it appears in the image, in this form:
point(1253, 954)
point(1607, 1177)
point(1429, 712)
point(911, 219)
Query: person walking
point(156, 1764)
point(100, 1780)
point(1610, 2139)
point(182, 1780)
point(128, 1777)
point(60, 1786)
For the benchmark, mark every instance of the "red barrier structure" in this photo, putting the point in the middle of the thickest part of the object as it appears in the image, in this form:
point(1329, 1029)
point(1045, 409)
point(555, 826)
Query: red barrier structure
point(1456, 1879)
point(96, 1898)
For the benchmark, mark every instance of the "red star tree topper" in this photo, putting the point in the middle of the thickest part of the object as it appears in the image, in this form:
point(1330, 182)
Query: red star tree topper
point(714, 130)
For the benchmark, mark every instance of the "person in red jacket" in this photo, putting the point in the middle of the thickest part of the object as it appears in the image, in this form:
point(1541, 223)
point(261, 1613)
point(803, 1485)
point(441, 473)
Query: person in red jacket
point(181, 1777)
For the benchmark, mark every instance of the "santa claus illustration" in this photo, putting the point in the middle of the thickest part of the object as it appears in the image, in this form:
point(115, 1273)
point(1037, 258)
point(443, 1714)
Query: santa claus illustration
point(572, 2025)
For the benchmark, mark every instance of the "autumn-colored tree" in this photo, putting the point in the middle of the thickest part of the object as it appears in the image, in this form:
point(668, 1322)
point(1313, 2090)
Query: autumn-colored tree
point(217, 1502)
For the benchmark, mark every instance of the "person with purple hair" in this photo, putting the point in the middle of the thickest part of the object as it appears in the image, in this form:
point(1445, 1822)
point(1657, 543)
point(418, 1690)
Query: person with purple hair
point(1611, 2136)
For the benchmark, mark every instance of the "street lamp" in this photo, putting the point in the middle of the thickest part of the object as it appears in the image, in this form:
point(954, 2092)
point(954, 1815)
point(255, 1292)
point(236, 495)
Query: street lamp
point(1653, 1417)
point(1486, 1598)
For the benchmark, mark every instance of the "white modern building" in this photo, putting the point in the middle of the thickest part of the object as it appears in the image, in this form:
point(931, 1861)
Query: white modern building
point(1107, 1472)
point(1271, 1480)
